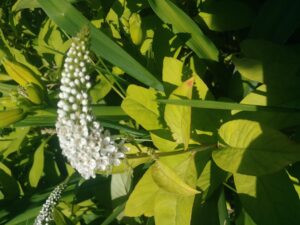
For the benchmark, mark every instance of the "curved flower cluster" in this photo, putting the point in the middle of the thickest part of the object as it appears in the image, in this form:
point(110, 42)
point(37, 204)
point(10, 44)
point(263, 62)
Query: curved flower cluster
point(81, 137)
point(45, 215)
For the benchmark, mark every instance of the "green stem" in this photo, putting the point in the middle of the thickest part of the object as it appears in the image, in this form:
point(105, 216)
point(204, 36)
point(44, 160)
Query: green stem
point(156, 154)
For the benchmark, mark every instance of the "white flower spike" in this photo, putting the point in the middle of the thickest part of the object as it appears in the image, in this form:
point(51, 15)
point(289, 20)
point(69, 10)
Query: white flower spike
point(81, 137)
point(45, 215)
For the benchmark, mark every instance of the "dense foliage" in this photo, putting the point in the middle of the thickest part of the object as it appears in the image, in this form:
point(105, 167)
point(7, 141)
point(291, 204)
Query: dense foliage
point(204, 93)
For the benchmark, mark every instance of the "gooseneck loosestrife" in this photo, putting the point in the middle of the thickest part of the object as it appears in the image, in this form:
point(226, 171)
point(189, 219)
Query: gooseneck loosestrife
point(83, 141)
point(45, 215)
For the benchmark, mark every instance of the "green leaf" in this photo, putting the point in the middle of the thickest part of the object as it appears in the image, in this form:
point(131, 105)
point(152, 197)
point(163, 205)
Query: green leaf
point(140, 104)
point(202, 89)
point(178, 118)
point(249, 68)
point(244, 219)
point(172, 71)
point(169, 181)
point(24, 4)
point(210, 179)
point(171, 209)
point(63, 14)
point(120, 184)
point(206, 213)
point(60, 218)
point(37, 168)
point(162, 139)
point(25, 217)
point(182, 23)
point(269, 199)
point(250, 148)
point(12, 142)
point(8, 186)
point(206, 104)
point(5, 169)
point(51, 41)
point(222, 209)
point(276, 21)
point(226, 15)
point(141, 200)
point(279, 117)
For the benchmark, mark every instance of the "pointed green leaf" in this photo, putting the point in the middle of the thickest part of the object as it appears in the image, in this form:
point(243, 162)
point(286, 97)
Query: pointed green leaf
point(140, 104)
point(178, 118)
point(63, 14)
point(172, 71)
point(210, 179)
point(9, 186)
point(120, 184)
point(202, 89)
point(182, 23)
point(37, 168)
point(12, 142)
point(169, 181)
point(247, 147)
point(162, 139)
point(141, 200)
point(269, 199)
point(171, 209)
point(60, 218)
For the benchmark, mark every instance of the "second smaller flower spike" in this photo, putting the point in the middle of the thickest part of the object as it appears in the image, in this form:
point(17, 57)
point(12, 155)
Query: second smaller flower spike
point(82, 140)
point(45, 215)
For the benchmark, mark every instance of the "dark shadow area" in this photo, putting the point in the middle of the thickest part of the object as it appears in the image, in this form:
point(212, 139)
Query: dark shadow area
point(275, 201)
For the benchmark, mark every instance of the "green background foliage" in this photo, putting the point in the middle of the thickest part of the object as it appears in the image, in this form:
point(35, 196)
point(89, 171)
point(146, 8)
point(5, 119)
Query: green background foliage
point(205, 92)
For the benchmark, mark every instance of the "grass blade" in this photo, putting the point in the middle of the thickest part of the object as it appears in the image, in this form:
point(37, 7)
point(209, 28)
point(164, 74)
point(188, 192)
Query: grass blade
point(228, 105)
point(72, 21)
point(182, 23)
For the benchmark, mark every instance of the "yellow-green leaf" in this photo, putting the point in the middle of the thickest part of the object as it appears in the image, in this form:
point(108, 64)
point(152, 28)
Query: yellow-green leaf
point(135, 29)
point(248, 147)
point(10, 116)
point(172, 71)
point(162, 139)
point(140, 104)
point(20, 73)
point(169, 181)
point(141, 200)
point(171, 209)
point(37, 168)
point(178, 117)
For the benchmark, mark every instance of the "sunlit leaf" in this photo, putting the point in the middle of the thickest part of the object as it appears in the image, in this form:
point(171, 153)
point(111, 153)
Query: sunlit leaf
point(140, 104)
point(172, 71)
point(169, 181)
point(141, 200)
point(178, 118)
point(171, 209)
point(248, 147)
point(37, 168)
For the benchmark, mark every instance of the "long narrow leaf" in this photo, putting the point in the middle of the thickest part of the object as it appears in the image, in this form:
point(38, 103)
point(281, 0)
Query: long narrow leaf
point(71, 20)
point(228, 105)
point(182, 23)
